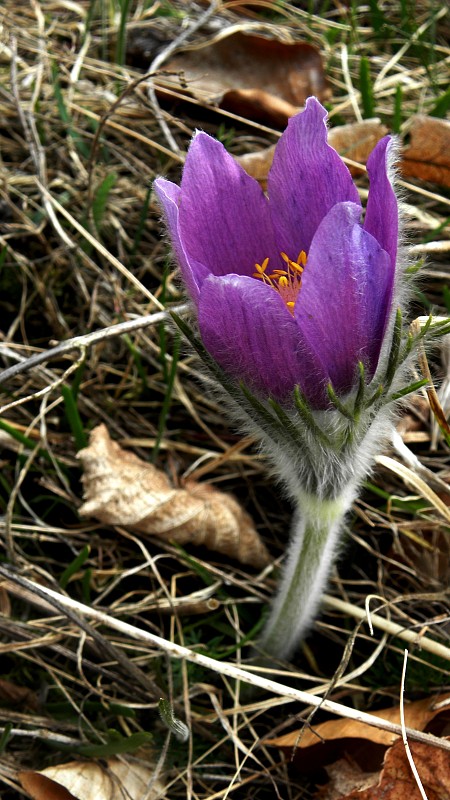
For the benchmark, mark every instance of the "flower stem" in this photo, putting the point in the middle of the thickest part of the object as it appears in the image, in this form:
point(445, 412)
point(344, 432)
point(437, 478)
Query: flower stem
point(313, 544)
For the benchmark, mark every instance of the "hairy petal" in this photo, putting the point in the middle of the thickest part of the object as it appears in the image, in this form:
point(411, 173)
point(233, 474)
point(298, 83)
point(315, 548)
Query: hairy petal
point(345, 297)
point(382, 207)
point(248, 330)
point(224, 215)
point(193, 273)
point(306, 180)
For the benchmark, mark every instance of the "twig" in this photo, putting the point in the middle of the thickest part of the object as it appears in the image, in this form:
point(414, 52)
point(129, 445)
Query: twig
point(71, 610)
point(390, 627)
point(74, 608)
point(47, 389)
point(88, 340)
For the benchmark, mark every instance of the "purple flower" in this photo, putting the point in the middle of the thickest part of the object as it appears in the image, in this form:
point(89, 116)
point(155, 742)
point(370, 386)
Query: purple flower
point(291, 289)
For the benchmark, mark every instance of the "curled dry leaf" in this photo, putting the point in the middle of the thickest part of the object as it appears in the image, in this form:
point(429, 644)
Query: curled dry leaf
point(40, 787)
point(251, 75)
point(90, 780)
point(355, 141)
point(121, 489)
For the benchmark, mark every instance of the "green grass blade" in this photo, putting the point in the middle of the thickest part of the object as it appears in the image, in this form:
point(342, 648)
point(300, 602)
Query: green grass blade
point(100, 200)
point(74, 566)
point(117, 745)
point(121, 45)
point(73, 417)
point(366, 89)
point(19, 437)
point(442, 106)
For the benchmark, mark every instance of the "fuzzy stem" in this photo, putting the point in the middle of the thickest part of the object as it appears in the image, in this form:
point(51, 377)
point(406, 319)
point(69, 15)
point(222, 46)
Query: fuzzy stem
point(313, 543)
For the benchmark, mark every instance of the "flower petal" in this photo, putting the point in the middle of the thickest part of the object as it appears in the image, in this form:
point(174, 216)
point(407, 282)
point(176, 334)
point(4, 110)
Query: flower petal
point(345, 299)
point(382, 207)
point(224, 215)
point(306, 180)
point(248, 330)
point(193, 272)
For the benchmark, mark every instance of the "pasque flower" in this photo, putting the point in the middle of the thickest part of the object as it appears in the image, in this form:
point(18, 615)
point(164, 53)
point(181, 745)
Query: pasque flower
point(292, 289)
point(298, 308)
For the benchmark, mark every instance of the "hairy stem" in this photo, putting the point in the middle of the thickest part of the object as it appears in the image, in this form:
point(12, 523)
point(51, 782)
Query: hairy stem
point(314, 540)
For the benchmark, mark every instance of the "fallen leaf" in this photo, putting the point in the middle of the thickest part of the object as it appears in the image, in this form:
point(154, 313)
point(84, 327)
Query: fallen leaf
point(121, 489)
point(329, 741)
point(355, 141)
point(397, 782)
point(256, 77)
point(42, 788)
point(11, 694)
point(428, 155)
point(344, 777)
point(90, 780)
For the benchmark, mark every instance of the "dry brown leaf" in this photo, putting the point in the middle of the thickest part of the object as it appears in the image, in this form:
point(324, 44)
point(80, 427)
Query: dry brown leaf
point(397, 781)
point(428, 155)
point(121, 489)
point(345, 776)
point(355, 141)
point(90, 780)
point(13, 695)
point(418, 715)
point(256, 77)
point(42, 788)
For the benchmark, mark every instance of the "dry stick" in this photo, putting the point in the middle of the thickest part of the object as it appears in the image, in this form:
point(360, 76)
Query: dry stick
point(390, 627)
point(74, 608)
point(104, 120)
point(47, 389)
point(88, 340)
point(69, 608)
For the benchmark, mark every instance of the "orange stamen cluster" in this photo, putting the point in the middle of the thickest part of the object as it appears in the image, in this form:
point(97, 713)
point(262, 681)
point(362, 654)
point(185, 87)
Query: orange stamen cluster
point(287, 282)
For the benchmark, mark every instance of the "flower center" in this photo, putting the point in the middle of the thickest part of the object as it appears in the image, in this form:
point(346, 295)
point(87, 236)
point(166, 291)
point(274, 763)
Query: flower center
point(287, 282)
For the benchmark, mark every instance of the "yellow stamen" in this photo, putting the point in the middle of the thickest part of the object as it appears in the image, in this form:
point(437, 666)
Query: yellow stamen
point(287, 282)
point(262, 267)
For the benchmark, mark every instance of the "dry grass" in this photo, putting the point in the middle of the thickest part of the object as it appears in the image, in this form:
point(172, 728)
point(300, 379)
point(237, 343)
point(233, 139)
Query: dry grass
point(80, 146)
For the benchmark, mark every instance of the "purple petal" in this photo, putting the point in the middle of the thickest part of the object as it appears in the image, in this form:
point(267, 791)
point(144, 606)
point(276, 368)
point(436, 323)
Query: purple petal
point(224, 215)
point(382, 208)
point(345, 297)
point(306, 180)
point(248, 330)
point(193, 273)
